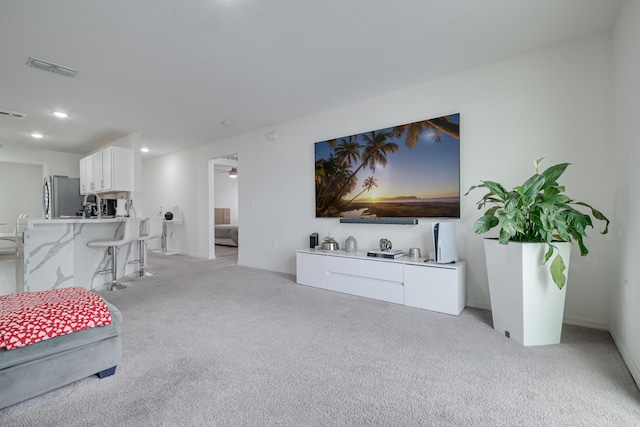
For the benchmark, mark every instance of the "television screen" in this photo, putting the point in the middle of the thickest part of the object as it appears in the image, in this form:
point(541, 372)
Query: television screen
point(410, 171)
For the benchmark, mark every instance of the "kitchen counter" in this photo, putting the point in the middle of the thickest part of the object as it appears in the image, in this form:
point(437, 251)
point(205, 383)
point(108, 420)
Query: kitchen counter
point(73, 220)
point(53, 253)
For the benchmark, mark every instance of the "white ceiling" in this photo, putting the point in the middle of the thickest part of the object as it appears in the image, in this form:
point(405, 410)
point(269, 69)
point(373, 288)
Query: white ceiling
point(174, 70)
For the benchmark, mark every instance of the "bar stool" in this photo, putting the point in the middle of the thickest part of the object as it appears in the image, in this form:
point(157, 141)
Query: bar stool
point(154, 230)
point(130, 234)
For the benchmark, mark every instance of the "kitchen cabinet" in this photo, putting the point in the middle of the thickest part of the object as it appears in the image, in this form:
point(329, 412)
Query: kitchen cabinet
point(86, 174)
point(108, 170)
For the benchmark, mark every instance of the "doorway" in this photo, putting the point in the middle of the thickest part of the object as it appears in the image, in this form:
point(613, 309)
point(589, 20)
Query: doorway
point(223, 207)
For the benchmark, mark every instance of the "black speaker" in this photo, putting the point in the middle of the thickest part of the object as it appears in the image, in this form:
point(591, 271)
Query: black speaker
point(313, 240)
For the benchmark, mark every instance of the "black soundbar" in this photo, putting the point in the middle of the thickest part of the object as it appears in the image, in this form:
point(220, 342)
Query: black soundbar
point(401, 221)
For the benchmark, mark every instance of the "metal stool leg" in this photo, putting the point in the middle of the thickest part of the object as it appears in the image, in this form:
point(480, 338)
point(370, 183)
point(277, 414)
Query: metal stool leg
point(141, 257)
point(114, 266)
point(114, 284)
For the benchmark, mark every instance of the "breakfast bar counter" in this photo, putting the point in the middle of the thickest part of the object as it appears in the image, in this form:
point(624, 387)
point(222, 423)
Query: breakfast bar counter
point(53, 253)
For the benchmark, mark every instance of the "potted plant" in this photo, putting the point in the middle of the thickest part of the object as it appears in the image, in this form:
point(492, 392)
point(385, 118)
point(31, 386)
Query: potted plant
point(527, 264)
point(330, 244)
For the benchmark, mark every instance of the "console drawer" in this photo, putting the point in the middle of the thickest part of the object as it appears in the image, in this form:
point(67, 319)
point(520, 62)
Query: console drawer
point(365, 287)
point(374, 269)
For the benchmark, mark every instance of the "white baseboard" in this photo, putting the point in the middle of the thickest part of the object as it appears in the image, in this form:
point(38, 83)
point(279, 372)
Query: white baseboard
point(262, 267)
point(570, 320)
point(479, 305)
point(626, 356)
point(586, 323)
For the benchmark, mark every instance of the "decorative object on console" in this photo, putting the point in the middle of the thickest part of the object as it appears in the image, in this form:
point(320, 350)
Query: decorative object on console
point(422, 179)
point(390, 254)
point(330, 244)
point(414, 252)
point(444, 242)
point(168, 216)
point(351, 244)
point(537, 222)
point(385, 245)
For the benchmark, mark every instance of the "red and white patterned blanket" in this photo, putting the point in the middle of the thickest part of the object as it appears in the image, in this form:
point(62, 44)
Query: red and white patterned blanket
point(29, 317)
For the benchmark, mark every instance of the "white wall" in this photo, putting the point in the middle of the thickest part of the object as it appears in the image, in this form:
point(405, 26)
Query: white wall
point(20, 193)
point(24, 167)
point(52, 162)
point(557, 101)
point(625, 307)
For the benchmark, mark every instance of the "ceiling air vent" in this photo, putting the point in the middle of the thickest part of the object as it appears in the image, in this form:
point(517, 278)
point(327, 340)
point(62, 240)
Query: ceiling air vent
point(12, 114)
point(51, 67)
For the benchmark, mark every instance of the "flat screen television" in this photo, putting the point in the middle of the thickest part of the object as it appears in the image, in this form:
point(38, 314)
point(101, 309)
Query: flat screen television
point(405, 171)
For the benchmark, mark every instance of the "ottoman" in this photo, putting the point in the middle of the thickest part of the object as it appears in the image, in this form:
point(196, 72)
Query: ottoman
point(37, 368)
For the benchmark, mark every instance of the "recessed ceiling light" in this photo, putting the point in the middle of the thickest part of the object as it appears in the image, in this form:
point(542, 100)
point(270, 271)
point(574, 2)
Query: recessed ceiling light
point(60, 114)
point(144, 149)
point(37, 135)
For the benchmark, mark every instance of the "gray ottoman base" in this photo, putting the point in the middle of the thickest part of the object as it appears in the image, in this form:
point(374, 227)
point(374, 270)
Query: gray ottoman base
point(35, 369)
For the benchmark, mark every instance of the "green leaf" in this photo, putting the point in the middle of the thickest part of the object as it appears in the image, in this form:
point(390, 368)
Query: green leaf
point(509, 223)
point(583, 249)
point(548, 254)
point(532, 186)
point(557, 271)
point(512, 201)
point(496, 189)
point(552, 174)
point(484, 224)
point(504, 237)
point(597, 215)
point(537, 162)
point(492, 211)
point(473, 187)
point(554, 199)
point(562, 229)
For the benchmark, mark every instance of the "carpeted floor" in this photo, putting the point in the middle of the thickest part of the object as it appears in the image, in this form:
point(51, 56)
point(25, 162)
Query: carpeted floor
point(207, 344)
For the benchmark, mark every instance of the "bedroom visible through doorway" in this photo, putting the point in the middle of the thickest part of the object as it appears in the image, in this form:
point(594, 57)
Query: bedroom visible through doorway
point(223, 174)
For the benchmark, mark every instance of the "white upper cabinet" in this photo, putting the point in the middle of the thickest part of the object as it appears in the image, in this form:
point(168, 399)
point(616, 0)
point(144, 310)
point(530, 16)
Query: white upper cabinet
point(108, 170)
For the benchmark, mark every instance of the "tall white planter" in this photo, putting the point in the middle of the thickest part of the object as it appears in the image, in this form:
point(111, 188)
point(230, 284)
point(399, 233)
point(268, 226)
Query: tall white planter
point(526, 304)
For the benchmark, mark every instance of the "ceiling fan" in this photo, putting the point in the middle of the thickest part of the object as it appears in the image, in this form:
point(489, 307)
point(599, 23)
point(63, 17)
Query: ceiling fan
point(232, 171)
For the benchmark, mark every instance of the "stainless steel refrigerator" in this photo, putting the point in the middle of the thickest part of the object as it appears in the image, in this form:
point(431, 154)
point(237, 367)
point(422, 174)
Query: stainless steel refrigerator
point(61, 196)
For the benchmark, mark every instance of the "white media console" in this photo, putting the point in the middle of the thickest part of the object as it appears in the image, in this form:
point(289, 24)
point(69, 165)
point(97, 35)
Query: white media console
point(408, 281)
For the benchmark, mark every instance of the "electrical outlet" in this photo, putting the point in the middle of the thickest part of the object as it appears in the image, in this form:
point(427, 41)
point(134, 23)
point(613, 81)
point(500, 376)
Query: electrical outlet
point(626, 288)
point(275, 244)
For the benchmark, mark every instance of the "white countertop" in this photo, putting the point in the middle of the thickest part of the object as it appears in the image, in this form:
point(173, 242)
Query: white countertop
point(30, 223)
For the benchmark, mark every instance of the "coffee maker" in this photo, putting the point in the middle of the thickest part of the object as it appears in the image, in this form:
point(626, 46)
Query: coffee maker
point(109, 207)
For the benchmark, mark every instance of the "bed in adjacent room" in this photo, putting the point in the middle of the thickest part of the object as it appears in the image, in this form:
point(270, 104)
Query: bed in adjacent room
point(226, 234)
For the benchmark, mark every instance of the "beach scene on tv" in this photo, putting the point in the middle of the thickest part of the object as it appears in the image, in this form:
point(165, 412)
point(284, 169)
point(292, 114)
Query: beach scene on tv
point(409, 171)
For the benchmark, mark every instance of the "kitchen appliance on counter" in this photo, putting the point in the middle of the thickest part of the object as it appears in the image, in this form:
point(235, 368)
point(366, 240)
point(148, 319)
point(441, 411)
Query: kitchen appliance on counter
point(109, 207)
point(121, 207)
point(61, 196)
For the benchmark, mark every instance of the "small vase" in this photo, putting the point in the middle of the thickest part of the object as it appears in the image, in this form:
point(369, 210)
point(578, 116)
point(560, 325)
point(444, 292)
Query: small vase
point(351, 244)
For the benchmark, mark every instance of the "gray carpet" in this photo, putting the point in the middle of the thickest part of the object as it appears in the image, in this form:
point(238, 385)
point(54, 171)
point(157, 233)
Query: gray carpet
point(208, 344)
